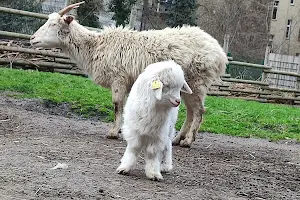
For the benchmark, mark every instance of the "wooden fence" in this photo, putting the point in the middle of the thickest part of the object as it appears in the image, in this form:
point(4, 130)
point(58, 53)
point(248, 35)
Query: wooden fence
point(16, 55)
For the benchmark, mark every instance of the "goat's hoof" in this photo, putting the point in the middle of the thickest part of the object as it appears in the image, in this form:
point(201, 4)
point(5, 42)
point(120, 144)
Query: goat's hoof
point(155, 176)
point(166, 168)
point(156, 179)
point(176, 141)
point(185, 143)
point(122, 171)
point(112, 137)
point(113, 134)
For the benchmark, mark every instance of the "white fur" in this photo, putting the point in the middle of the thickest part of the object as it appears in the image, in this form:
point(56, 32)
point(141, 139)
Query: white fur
point(150, 116)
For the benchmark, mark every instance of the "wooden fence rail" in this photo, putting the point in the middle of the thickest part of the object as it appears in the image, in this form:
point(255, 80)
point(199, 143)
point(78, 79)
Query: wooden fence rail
point(59, 62)
point(37, 64)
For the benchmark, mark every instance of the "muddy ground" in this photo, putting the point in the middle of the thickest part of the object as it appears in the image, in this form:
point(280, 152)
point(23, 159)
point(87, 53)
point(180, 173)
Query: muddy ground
point(34, 137)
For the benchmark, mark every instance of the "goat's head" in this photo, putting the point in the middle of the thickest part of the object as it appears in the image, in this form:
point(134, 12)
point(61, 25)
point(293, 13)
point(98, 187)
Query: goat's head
point(51, 34)
point(167, 85)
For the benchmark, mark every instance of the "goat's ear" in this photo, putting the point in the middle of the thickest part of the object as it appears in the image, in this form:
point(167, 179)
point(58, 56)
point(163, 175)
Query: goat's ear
point(157, 86)
point(68, 19)
point(186, 88)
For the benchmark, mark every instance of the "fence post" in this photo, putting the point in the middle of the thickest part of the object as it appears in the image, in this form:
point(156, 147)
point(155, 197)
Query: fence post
point(264, 75)
point(266, 60)
point(226, 43)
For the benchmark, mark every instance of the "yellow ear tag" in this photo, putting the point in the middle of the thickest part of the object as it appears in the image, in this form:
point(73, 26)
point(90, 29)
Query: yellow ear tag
point(155, 85)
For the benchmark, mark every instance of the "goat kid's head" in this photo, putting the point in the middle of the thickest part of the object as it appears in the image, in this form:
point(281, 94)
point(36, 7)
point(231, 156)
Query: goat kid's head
point(168, 85)
point(51, 34)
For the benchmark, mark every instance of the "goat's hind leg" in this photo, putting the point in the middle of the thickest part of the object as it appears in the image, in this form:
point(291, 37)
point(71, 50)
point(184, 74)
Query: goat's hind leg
point(198, 110)
point(118, 98)
point(188, 120)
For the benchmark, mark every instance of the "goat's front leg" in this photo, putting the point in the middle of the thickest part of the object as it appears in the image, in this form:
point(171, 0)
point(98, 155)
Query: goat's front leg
point(118, 98)
point(130, 156)
point(153, 162)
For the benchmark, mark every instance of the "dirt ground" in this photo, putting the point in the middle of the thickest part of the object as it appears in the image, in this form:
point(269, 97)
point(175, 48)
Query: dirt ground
point(36, 136)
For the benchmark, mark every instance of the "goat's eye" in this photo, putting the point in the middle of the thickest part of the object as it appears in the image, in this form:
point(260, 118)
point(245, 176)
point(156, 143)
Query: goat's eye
point(50, 25)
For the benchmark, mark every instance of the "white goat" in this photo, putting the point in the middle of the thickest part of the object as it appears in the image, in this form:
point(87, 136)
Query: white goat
point(150, 117)
point(115, 57)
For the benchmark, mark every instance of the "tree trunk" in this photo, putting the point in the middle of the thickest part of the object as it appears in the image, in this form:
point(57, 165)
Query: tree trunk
point(145, 15)
point(133, 15)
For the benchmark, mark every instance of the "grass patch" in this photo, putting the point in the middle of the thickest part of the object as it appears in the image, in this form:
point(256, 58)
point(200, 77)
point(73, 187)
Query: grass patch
point(85, 97)
point(227, 116)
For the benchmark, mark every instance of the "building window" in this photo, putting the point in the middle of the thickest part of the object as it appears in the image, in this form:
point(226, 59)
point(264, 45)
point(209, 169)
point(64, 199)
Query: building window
point(292, 2)
point(275, 9)
point(297, 54)
point(299, 36)
point(288, 29)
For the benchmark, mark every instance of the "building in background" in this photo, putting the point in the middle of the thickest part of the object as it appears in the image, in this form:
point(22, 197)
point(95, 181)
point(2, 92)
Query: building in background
point(283, 49)
point(285, 27)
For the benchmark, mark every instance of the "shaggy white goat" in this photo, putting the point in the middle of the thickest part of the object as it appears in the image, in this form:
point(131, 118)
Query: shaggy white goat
point(115, 57)
point(150, 117)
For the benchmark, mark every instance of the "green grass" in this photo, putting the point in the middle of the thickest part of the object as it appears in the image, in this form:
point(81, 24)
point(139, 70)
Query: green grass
point(86, 97)
point(227, 116)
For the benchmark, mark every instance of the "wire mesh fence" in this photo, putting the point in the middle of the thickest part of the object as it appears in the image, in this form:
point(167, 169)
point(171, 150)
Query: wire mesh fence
point(284, 63)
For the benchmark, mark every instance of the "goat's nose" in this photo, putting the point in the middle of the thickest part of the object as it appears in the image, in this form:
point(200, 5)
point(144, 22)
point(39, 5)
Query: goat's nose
point(177, 101)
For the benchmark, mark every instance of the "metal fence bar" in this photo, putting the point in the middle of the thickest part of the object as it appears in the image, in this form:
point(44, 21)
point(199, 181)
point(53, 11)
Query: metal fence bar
point(258, 66)
point(282, 73)
point(35, 15)
point(22, 12)
point(244, 81)
point(15, 35)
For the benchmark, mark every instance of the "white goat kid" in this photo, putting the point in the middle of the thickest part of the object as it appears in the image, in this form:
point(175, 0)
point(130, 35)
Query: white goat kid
point(115, 57)
point(150, 114)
